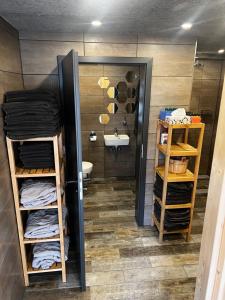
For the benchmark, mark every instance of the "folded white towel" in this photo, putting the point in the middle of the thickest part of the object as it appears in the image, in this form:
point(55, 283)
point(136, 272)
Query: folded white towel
point(46, 254)
point(43, 223)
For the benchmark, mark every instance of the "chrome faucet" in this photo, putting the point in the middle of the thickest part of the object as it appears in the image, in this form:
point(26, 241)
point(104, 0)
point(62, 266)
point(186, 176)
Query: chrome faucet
point(116, 132)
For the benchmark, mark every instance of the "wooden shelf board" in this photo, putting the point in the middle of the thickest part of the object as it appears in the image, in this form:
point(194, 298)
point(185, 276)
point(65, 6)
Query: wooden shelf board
point(180, 149)
point(22, 173)
point(55, 268)
point(188, 176)
point(41, 240)
point(49, 206)
point(40, 139)
point(173, 206)
point(181, 126)
point(168, 232)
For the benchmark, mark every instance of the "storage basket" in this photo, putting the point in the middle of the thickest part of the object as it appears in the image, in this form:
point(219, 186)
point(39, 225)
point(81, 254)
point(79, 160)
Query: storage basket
point(178, 166)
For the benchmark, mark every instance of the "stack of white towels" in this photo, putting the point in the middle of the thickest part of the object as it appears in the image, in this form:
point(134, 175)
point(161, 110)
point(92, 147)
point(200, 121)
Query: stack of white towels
point(34, 193)
point(43, 223)
point(46, 254)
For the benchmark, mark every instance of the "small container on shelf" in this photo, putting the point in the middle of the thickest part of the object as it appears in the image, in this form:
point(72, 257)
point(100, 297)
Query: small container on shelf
point(178, 165)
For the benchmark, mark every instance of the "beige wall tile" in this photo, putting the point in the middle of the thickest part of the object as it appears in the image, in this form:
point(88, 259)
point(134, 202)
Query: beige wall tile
point(150, 171)
point(89, 86)
point(110, 38)
point(41, 81)
point(52, 36)
point(91, 70)
point(9, 50)
point(171, 91)
point(104, 49)
point(40, 57)
point(164, 40)
point(169, 60)
point(151, 146)
point(92, 104)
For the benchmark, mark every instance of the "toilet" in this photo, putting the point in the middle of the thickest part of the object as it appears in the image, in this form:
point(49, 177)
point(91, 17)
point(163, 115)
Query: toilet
point(87, 168)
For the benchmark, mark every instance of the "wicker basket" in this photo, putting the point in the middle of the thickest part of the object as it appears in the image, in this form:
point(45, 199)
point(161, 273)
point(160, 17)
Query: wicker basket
point(178, 166)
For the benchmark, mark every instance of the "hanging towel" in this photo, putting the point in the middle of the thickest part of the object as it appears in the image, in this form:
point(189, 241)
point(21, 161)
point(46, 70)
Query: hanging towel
point(46, 254)
point(43, 223)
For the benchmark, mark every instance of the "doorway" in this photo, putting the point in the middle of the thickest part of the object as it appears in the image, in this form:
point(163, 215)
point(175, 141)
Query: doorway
point(136, 109)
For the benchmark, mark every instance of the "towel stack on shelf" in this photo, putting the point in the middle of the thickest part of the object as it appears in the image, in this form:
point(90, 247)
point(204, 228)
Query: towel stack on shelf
point(31, 113)
point(35, 155)
point(46, 254)
point(37, 192)
point(177, 192)
point(43, 223)
point(175, 218)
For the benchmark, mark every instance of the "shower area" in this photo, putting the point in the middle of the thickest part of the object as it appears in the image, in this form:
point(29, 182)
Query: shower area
point(206, 95)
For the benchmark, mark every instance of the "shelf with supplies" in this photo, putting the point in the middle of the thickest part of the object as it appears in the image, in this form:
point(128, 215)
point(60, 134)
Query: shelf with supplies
point(19, 174)
point(166, 216)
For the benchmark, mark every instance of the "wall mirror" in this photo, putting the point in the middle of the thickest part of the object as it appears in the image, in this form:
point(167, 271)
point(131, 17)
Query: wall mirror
point(112, 92)
point(104, 119)
point(112, 108)
point(131, 76)
point(103, 82)
point(122, 92)
point(130, 108)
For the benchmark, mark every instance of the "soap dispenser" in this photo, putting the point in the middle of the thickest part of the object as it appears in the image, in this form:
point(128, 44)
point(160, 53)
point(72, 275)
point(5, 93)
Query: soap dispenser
point(92, 136)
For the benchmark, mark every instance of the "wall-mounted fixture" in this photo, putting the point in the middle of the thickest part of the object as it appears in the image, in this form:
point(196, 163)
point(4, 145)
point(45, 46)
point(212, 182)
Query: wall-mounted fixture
point(93, 136)
point(103, 82)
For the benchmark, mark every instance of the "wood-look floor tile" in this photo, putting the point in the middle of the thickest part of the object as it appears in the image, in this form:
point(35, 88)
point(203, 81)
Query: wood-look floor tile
point(120, 264)
point(174, 260)
point(148, 274)
point(102, 278)
point(191, 270)
point(100, 253)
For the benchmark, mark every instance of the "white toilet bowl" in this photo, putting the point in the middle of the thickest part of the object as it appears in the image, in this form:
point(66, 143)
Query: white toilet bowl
point(87, 168)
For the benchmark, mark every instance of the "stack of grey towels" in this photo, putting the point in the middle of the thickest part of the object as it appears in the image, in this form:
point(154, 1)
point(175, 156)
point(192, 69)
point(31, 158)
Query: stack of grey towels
point(37, 192)
point(46, 254)
point(43, 223)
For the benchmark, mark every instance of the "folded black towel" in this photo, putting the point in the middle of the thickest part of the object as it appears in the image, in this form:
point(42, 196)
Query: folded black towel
point(32, 113)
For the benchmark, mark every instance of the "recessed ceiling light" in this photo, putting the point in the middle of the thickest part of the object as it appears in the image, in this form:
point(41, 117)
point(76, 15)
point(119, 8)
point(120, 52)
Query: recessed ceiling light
point(221, 51)
point(186, 26)
point(96, 23)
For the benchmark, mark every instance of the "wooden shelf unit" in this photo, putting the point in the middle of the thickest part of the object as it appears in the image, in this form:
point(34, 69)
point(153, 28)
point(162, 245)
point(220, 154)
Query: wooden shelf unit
point(179, 149)
point(57, 172)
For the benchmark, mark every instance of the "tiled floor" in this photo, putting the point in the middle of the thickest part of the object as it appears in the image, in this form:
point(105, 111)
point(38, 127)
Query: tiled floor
point(124, 261)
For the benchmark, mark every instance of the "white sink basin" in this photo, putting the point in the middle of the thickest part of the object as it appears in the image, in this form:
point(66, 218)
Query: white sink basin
point(116, 141)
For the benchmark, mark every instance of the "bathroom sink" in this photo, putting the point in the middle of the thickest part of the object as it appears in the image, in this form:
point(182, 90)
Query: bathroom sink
point(113, 140)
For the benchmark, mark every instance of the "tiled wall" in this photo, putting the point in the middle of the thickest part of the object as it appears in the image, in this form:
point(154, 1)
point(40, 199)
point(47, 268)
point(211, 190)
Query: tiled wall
point(172, 71)
point(94, 101)
point(206, 95)
point(11, 280)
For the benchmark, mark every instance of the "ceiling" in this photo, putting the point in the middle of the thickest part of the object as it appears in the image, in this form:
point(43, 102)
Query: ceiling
point(153, 17)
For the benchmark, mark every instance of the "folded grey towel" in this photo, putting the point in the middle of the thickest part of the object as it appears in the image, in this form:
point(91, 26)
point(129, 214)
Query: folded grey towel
point(43, 223)
point(35, 193)
point(46, 254)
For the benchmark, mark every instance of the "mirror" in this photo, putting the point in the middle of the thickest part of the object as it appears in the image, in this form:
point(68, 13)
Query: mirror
point(131, 92)
point(131, 76)
point(121, 94)
point(104, 119)
point(112, 92)
point(130, 108)
point(103, 82)
point(112, 108)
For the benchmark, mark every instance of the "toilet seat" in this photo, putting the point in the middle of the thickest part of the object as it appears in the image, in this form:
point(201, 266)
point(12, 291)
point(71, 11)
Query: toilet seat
point(87, 167)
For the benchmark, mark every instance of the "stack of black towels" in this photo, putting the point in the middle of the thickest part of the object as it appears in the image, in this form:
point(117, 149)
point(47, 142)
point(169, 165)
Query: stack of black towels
point(177, 193)
point(175, 219)
point(36, 155)
point(31, 113)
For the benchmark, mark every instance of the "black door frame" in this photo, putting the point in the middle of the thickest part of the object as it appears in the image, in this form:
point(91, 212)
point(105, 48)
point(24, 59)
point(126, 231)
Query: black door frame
point(146, 90)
